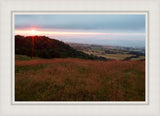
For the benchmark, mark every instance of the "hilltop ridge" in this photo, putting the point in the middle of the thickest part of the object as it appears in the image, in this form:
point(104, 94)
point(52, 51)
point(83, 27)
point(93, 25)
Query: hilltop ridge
point(45, 47)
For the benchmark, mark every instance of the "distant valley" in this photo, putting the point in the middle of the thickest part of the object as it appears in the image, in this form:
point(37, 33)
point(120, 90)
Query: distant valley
point(111, 52)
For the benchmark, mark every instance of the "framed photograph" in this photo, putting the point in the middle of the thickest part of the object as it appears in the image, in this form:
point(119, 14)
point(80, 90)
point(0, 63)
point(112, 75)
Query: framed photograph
point(79, 57)
point(54, 56)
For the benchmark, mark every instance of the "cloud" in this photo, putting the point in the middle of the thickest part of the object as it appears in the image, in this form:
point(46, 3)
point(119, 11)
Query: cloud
point(120, 30)
point(83, 22)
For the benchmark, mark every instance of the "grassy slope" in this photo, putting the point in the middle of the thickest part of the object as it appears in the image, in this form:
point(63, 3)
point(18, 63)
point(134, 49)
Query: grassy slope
point(77, 80)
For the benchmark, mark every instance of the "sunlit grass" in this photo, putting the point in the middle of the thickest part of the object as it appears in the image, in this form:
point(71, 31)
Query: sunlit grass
point(111, 56)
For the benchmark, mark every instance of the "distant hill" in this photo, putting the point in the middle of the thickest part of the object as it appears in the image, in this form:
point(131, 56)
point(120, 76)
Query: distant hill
point(45, 47)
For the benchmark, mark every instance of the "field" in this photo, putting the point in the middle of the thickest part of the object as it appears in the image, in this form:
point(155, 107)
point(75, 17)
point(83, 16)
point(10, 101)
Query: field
point(111, 52)
point(71, 79)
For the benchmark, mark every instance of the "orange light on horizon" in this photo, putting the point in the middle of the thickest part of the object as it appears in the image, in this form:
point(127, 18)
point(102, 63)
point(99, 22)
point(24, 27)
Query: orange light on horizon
point(35, 32)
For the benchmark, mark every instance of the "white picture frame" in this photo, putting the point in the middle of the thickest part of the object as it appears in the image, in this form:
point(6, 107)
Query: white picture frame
point(149, 108)
point(145, 13)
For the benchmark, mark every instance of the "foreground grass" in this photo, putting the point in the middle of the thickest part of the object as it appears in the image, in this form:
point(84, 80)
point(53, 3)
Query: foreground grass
point(79, 80)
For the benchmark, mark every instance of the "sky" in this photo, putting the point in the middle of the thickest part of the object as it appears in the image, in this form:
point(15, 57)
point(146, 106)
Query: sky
point(101, 29)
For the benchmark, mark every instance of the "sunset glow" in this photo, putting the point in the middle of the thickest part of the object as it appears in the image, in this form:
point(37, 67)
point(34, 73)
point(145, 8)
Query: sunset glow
point(104, 29)
point(34, 32)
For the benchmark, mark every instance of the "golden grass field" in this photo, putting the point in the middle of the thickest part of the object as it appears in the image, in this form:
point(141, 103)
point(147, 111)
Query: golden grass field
point(70, 79)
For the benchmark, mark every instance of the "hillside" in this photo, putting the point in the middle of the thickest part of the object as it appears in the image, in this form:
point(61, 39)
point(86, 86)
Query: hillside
point(45, 47)
point(73, 79)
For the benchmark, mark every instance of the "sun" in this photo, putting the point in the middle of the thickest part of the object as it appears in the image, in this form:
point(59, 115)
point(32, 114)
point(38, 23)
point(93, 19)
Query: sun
point(33, 32)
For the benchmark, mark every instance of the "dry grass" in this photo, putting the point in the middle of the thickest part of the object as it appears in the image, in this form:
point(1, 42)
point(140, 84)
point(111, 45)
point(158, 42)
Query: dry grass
point(139, 58)
point(79, 80)
point(111, 56)
point(117, 56)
